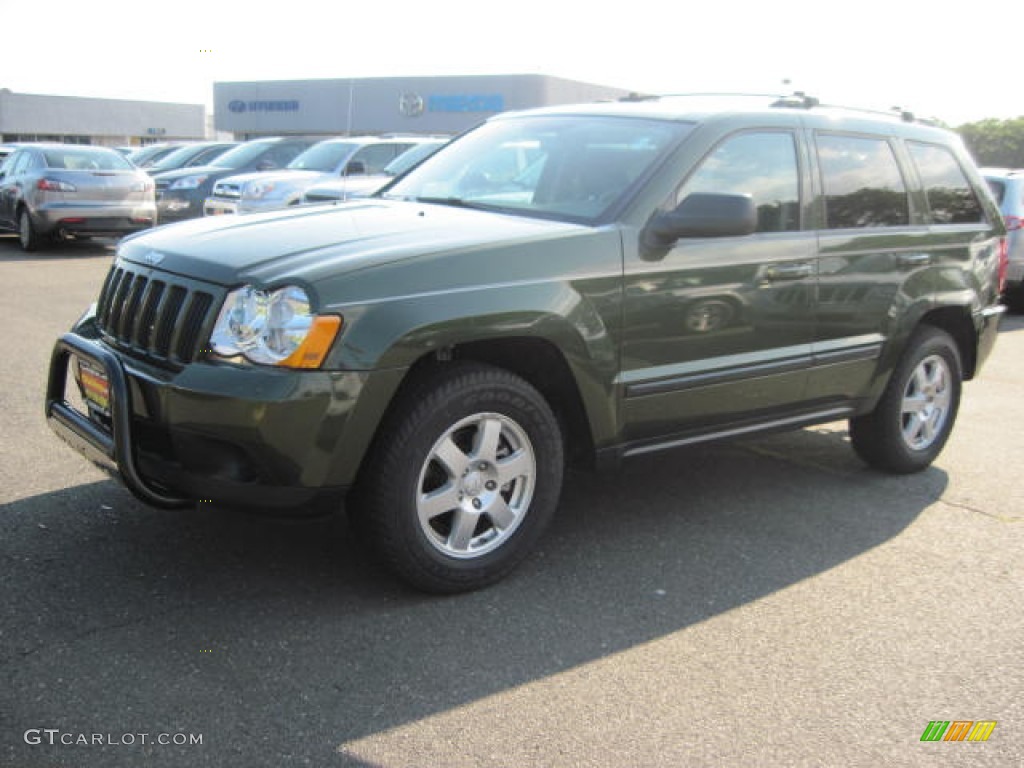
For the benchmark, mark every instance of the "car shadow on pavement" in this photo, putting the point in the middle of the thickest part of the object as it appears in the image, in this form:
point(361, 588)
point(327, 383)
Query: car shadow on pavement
point(10, 250)
point(268, 635)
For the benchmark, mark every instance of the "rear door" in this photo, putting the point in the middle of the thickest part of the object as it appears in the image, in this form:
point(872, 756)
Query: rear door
point(718, 331)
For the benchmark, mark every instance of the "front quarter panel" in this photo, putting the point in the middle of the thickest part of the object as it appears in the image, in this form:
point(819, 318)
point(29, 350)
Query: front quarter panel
point(566, 291)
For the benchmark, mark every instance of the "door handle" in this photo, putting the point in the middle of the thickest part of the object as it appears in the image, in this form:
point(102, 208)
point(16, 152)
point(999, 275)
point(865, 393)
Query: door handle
point(914, 259)
point(797, 271)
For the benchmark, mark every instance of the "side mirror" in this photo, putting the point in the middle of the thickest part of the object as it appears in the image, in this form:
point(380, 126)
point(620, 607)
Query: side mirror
point(706, 214)
point(266, 165)
point(355, 168)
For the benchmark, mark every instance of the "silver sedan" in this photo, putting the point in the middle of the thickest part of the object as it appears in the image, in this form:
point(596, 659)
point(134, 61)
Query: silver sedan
point(49, 190)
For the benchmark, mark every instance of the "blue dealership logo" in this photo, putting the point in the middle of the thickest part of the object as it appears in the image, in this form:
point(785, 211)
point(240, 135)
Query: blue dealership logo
point(277, 105)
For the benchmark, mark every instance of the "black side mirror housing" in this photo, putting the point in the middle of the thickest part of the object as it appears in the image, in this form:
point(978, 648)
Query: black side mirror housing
point(706, 214)
point(355, 168)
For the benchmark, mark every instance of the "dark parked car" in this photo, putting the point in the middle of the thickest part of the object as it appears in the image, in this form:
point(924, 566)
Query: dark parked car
point(68, 189)
point(191, 155)
point(146, 156)
point(1008, 187)
point(180, 194)
point(579, 283)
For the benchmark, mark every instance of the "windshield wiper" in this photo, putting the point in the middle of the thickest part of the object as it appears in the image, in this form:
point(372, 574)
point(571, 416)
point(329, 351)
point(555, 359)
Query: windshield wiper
point(455, 202)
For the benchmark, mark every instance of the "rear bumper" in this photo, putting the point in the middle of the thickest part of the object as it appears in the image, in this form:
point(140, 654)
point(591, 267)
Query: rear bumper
point(95, 219)
point(986, 322)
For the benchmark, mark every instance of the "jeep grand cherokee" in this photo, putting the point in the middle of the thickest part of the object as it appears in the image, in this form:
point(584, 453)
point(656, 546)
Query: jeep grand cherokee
point(579, 283)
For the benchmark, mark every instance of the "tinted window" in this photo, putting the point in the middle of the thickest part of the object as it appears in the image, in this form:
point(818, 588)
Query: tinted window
point(323, 157)
point(762, 165)
point(863, 185)
point(950, 197)
point(376, 156)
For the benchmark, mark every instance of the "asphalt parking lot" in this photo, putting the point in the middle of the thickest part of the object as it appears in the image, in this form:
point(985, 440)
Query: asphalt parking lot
point(763, 603)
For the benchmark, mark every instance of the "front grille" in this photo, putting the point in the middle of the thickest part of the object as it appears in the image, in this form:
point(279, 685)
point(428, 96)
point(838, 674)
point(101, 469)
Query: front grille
point(156, 316)
point(322, 197)
point(231, 190)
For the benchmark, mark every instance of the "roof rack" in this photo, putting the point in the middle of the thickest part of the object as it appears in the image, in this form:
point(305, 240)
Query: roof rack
point(795, 100)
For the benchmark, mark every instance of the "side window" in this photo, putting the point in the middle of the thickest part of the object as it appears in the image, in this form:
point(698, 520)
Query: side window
point(375, 156)
point(762, 165)
point(862, 182)
point(950, 196)
point(285, 152)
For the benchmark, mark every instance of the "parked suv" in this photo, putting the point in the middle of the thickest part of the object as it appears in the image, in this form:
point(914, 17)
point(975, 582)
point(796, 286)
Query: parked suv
point(1008, 187)
point(348, 187)
point(578, 283)
point(180, 194)
point(330, 159)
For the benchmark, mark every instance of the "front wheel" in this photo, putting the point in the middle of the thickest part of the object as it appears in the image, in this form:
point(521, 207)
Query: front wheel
point(463, 478)
point(911, 423)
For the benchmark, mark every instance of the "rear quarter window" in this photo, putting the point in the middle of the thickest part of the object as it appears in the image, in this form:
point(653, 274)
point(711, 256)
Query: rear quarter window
point(951, 198)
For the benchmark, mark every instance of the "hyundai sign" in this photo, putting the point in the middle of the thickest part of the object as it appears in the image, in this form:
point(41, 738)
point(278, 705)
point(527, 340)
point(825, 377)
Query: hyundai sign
point(287, 105)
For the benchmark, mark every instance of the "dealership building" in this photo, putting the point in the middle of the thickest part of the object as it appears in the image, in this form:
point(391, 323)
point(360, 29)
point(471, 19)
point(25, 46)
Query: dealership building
point(380, 105)
point(105, 122)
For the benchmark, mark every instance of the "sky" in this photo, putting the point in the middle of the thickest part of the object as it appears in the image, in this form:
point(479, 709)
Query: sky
point(872, 53)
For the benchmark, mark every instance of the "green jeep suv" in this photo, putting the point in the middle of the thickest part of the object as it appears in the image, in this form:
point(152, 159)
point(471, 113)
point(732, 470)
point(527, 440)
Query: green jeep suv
point(573, 284)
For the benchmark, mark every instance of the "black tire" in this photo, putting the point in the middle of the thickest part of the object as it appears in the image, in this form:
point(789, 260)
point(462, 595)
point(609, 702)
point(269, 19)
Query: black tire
point(470, 441)
point(911, 423)
point(29, 238)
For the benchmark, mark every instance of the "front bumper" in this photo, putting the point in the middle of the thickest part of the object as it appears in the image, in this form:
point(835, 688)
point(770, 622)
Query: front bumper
point(178, 206)
point(224, 434)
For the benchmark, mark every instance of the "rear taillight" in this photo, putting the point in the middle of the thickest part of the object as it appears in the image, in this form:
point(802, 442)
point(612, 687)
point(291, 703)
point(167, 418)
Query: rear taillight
point(1013, 222)
point(1004, 263)
point(52, 185)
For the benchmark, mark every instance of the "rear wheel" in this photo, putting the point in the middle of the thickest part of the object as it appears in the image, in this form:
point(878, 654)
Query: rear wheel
point(463, 479)
point(29, 238)
point(911, 423)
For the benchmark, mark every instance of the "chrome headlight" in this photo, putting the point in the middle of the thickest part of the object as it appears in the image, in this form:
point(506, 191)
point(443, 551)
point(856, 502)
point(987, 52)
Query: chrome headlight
point(273, 328)
point(189, 182)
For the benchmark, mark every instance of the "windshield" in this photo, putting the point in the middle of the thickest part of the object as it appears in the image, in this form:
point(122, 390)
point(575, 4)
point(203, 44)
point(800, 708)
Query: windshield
point(569, 167)
point(324, 157)
point(242, 155)
point(177, 158)
point(410, 157)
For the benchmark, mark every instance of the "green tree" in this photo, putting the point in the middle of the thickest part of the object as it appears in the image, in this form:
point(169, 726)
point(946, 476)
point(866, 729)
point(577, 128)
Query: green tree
point(995, 142)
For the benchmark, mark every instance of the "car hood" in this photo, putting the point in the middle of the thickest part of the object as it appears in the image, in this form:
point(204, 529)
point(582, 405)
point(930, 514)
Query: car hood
point(308, 245)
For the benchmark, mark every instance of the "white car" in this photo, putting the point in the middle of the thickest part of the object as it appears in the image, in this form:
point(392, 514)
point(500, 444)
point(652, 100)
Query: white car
point(357, 156)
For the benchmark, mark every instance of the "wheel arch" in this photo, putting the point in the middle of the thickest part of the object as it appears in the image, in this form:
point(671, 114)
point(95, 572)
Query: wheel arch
point(956, 321)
